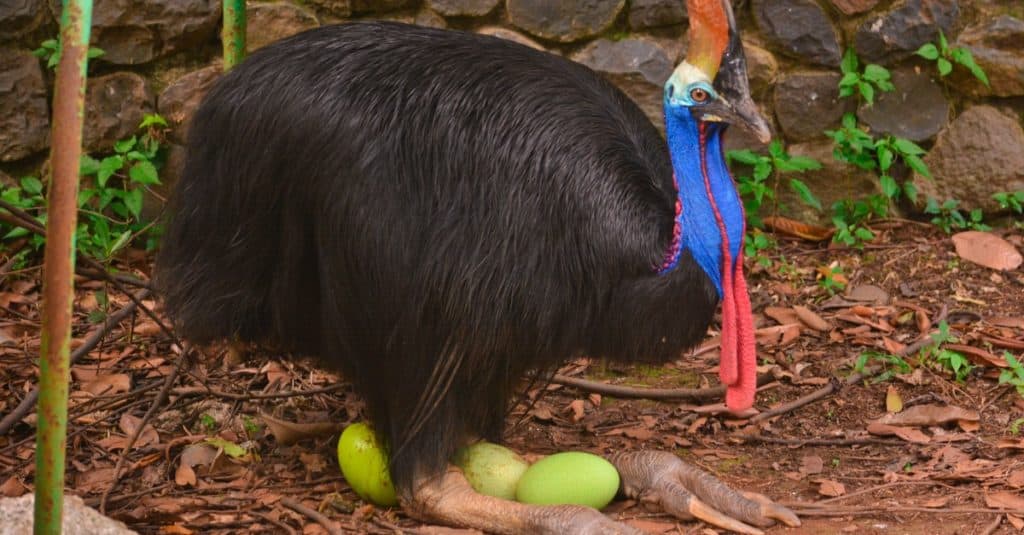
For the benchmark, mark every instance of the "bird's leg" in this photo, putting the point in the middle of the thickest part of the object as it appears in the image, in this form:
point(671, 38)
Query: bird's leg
point(449, 499)
point(686, 491)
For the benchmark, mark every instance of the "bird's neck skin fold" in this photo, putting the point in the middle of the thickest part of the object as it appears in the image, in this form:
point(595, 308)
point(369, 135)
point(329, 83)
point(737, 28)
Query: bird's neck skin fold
point(708, 209)
point(710, 226)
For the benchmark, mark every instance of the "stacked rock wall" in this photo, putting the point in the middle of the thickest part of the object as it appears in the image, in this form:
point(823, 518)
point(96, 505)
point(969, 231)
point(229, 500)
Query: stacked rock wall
point(162, 54)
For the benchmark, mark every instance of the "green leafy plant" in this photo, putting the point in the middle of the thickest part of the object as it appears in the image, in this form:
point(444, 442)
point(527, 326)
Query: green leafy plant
point(1014, 375)
point(855, 146)
point(49, 50)
point(891, 365)
point(944, 58)
point(207, 423)
point(948, 359)
point(756, 244)
point(866, 82)
point(831, 279)
point(1012, 201)
point(851, 234)
point(949, 217)
point(1016, 425)
point(754, 188)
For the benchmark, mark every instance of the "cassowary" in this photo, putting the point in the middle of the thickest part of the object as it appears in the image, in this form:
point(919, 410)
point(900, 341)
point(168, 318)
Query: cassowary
point(438, 213)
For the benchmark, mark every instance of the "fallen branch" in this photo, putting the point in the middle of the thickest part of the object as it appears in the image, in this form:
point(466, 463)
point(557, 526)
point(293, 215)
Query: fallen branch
point(815, 441)
point(311, 514)
point(204, 391)
point(27, 404)
point(804, 509)
point(661, 394)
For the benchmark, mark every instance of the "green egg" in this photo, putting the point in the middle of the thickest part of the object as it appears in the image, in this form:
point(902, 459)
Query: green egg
point(573, 477)
point(365, 465)
point(491, 469)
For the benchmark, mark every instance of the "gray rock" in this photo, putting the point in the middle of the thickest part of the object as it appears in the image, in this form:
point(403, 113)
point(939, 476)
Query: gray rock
point(180, 99)
point(78, 519)
point(852, 7)
point(563, 20)
point(114, 106)
point(24, 114)
point(509, 35)
point(899, 32)
point(428, 18)
point(379, 6)
point(807, 103)
point(462, 8)
point(645, 14)
point(977, 155)
point(638, 67)
point(916, 110)
point(267, 23)
point(21, 17)
point(998, 47)
point(835, 181)
point(337, 8)
point(799, 28)
point(138, 31)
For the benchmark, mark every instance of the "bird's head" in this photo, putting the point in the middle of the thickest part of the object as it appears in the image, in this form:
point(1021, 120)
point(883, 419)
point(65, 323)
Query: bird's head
point(705, 94)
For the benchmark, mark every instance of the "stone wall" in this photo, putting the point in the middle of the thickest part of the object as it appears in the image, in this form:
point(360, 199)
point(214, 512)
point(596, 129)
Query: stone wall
point(162, 54)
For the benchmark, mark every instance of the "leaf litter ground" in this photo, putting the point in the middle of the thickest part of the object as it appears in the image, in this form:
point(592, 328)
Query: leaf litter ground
point(245, 443)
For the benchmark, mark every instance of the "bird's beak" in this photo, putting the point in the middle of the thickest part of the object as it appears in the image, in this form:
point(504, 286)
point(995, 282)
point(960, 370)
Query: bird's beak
point(735, 105)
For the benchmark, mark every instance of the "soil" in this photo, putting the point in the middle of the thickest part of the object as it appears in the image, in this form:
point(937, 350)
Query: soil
point(239, 437)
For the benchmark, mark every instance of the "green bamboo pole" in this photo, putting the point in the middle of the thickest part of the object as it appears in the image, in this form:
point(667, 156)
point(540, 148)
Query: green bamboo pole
point(232, 35)
point(58, 265)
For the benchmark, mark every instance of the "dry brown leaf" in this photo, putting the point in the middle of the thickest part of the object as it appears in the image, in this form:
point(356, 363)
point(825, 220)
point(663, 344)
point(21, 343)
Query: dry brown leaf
point(782, 315)
point(1013, 322)
point(978, 356)
point(1016, 478)
point(812, 464)
point(185, 476)
point(969, 426)
point(1005, 500)
point(12, 488)
point(892, 346)
point(116, 383)
point(147, 328)
point(651, 526)
point(129, 424)
point(868, 293)
point(576, 406)
point(797, 229)
point(906, 433)
point(779, 335)
point(314, 462)
point(811, 319)
point(286, 432)
point(924, 323)
point(893, 401)
point(175, 529)
point(987, 249)
point(940, 501)
point(1016, 521)
point(275, 372)
point(831, 488)
point(923, 415)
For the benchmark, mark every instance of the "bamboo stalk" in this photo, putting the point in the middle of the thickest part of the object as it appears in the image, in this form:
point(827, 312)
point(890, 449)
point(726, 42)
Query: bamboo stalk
point(232, 35)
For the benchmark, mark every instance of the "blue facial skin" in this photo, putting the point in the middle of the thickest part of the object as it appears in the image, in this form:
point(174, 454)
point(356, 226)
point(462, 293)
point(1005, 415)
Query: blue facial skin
point(698, 224)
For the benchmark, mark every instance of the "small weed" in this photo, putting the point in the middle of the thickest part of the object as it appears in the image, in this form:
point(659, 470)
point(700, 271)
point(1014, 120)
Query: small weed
point(207, 423)
point(754, 188)
point(944, 57)
point(1016, 425)
point(866, 82)
point(756, 244)
point(49, 50)
point(948, 359)
point(831, 278)
point(891, 364)
point(1013, 376)
point(949, 218)
point(251, 426)
point(835, 462)
point(1012, 201)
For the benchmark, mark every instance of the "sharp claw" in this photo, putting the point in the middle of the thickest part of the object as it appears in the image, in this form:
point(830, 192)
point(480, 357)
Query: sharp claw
point(780, 513)
point(712, 516)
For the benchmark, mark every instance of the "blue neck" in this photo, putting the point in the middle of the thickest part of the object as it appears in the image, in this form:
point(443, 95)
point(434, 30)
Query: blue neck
point(699, 166)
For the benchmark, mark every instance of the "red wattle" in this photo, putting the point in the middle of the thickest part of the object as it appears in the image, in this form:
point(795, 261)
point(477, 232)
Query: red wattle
point(728, 367)
point(740, 394)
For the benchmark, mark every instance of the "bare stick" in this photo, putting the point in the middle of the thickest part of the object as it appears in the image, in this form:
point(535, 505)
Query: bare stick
point(311, 514)
point(815, 441)
point(663, 394)
point(202, 391)
point(88, 345)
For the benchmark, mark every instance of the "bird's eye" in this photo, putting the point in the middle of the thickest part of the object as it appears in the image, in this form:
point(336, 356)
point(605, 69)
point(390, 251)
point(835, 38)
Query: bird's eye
point(699, 95)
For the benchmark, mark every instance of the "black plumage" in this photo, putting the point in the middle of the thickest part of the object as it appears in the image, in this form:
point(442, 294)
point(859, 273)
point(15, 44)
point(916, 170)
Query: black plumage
point(436, 213)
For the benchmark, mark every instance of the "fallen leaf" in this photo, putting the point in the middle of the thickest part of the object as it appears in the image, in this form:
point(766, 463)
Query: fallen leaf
point(651, 526)
point(1016, 521)
point(868, 293)
point(906, 433)
point(1016, 478)
point(969, 426)
point(1006, 321)
point(893, 401)
point(576, 406)
point(831, 488)
point(797, 229)
point(12, 488)
point(185, 476)
point(811, 464)
point(987, 249)
point(287, 433)
point(978, 355)
point(811, 319)
point(1005, 500)
point(782, 315)
point(129, 424)
point(923, 415)
point(314, 462)
point(940, 501)
point(105, 384)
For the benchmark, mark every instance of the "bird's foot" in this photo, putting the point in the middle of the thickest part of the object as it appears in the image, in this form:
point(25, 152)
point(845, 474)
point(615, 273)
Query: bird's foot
point(451, 500)
point(685, 491)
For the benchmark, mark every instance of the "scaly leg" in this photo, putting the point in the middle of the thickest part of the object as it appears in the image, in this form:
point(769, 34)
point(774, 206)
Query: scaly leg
point(451, 500)
point(687, 492)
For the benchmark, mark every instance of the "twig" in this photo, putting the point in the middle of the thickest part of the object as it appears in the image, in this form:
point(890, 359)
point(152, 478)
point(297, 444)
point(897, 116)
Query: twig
point(277, 523)
point(832, 386)
point(312, 515)
point(630, 392)
point(88, 345)
point(815, 441)
point(870, 510)
point(204, 391)
point(160, 397)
